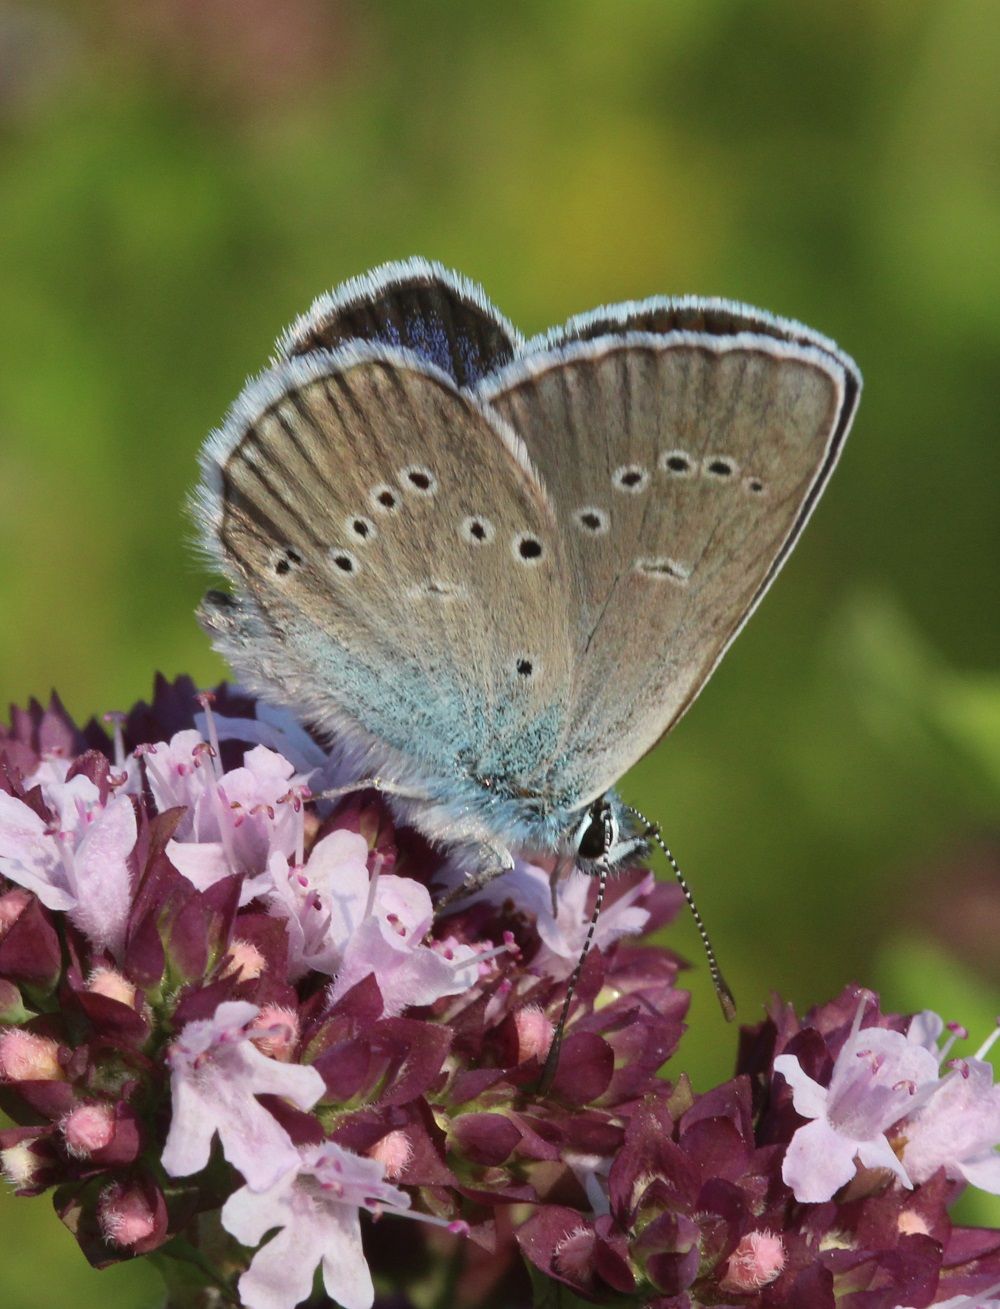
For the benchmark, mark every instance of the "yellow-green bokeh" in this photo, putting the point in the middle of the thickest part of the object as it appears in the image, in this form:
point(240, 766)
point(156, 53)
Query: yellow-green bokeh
point(178, 179)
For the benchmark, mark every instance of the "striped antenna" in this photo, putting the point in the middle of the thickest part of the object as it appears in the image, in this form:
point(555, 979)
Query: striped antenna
point(552, 1058)
point(726, 1001)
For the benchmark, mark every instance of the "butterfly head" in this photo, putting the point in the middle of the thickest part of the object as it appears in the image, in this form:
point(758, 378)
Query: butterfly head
point(606, 833)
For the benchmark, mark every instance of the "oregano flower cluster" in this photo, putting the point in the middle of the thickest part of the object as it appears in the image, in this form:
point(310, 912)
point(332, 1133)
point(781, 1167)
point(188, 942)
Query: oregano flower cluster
point(234, 1033)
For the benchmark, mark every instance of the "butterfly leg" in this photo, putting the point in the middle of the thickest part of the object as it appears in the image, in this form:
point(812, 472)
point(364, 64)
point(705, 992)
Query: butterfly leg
point(490, 862)
point(370, 784)
point(559, 871)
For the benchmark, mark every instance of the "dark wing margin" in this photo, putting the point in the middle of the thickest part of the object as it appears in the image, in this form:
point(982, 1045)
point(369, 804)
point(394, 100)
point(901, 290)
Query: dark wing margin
point(707, 316)
point(414, 305)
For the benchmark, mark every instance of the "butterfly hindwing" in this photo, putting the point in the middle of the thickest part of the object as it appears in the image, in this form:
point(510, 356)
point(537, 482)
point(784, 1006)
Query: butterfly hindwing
point(681, 467)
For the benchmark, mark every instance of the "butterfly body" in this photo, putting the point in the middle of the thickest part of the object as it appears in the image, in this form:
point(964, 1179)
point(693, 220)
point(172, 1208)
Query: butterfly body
point(499, 571)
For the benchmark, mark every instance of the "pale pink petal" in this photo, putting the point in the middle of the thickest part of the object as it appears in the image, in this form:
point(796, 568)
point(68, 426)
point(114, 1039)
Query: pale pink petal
point(409, 902)
point(216, 1073)
point(958, 1126)
point(300, 1083)
point(250, 1215)
point(407, 974)
point(203, 863)
point(925, 1029)
point(18, 824)
point(103, 880)
point(818, 1162)
point(338, 869)
point(252, 1138)
point(345, 1270)
point(878, 1153)
point(29, 857)
point(189, 1140)
point(174, 770)
point(808, 1097)
point(878, 1078)
point(984, 1173)
point(71, 800)
point(281, 1274)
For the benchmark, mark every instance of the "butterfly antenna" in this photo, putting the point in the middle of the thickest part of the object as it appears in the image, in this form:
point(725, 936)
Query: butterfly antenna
point(726, 1001)
point(552, 1058)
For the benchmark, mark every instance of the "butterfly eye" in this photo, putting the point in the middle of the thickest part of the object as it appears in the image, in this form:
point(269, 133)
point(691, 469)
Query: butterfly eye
point(720, 466)
point(597, 833)
point(418, 478)
point(631, 478)
point(477, 530)
point(384, 498)
point(676, 463)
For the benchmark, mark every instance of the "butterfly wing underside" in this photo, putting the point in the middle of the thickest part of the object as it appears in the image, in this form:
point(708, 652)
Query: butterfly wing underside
point(391, 547)
point(681, 469)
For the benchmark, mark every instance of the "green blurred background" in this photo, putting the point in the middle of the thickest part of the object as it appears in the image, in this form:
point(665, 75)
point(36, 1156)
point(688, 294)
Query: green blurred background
point(179, 178)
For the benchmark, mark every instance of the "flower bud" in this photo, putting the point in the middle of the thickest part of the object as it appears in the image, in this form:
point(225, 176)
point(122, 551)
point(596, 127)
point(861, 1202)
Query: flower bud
point(125, 1216)
point(756, 1261)
point(87, 1129)
point(27, 1057)
point(21, 1165)
point(534, 1033)
point(278, 1030)
point(393, 1152)
point(245, 963)
point(111, 983)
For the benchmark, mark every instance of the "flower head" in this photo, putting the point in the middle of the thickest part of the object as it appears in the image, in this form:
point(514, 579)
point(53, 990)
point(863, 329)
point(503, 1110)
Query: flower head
point(878, 1078)
point(77, 862)
point(958, 1128)
point(192, 949)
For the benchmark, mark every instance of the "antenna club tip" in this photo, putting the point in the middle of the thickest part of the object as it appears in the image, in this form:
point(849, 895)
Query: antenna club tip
point(726, 1002)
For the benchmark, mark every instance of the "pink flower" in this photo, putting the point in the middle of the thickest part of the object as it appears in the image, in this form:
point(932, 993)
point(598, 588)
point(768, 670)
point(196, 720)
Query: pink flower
point(349, 924)
point(322, 902)
point(235, 820)
point(878, 1077)
point(384, 936)
point(564, 932)
point(317, 1211)
point(81, 865)
point(216, 1073)
point(958, 1129)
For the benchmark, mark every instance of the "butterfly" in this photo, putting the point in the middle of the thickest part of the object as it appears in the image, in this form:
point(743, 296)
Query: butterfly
point(499, 570)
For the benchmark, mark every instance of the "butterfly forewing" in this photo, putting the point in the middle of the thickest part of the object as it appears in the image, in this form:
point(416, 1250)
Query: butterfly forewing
point(404, 553)
point(416, 305)
point(681, 467)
